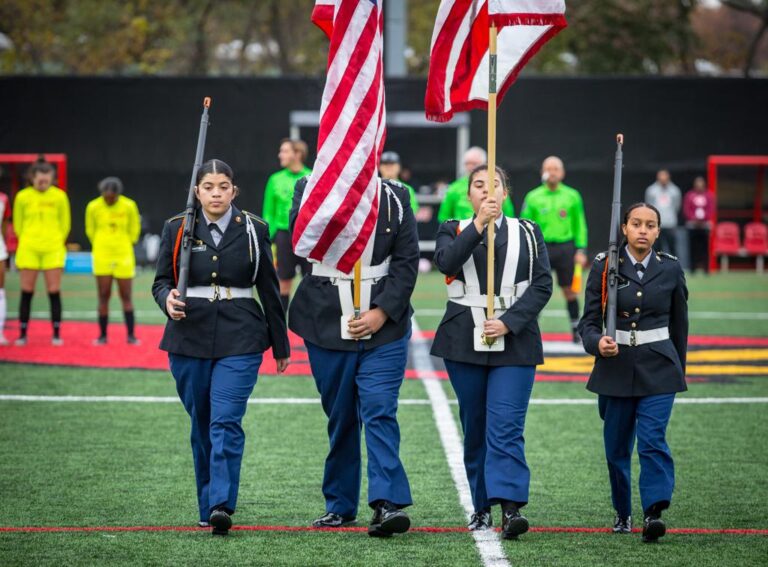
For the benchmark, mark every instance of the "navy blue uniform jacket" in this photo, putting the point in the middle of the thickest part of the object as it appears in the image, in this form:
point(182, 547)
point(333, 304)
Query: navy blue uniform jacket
point(659, 300)
point(315, 312)
point(454, 338)
point(215, 329)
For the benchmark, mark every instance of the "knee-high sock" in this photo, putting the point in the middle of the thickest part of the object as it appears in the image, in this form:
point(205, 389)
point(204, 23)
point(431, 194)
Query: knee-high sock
point(55, 300)
point(25, 306)
point(2, 310)
point(130, 322)
point(573, 312)
point(103, 321)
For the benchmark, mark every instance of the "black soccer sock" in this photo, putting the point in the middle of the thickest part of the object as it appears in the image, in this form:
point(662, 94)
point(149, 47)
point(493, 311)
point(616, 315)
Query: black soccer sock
point(130, 322)
point(284, 300)
point(103, 320)
point(25, 307)
point(573, 312)
point(55, 300)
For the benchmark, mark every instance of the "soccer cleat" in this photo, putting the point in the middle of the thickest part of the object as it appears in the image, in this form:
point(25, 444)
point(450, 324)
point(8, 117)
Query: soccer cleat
point(653, 528)
point(21, 341)
point(220, 522)
point(331, 520)
point(513, 523)
point(133, 340)
point(480, 521)
point(101, 341)
point(387, 520)
point(622, 524)
point(56, 341)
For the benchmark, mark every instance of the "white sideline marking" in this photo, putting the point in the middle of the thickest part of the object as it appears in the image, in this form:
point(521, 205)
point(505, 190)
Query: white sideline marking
point(313, 401)
point(488, 542)
point(743, 316)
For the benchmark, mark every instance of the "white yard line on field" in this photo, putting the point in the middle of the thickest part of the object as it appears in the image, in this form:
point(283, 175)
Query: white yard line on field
point(488, 542)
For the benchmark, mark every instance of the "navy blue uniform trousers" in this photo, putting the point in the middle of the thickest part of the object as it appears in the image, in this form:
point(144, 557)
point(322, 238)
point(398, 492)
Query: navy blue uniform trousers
point(645, 418)
point(361, 388)
point(493, 402)
point(215, 394)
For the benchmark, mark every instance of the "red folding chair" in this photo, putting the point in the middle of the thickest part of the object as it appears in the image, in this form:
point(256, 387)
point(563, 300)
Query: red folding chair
point(756, 243)
point(727, 242)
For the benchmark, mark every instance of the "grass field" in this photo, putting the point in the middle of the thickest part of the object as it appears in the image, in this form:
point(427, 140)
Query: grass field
point(117, 464)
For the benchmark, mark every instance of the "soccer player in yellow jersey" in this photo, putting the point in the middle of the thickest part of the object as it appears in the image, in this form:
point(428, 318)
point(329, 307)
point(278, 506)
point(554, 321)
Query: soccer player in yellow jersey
point(41, 220)
point(112, 225)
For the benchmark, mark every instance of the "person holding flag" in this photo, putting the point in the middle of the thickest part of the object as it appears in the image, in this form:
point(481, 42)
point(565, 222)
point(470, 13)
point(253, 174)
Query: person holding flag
point(478, 50)
point(354, 311)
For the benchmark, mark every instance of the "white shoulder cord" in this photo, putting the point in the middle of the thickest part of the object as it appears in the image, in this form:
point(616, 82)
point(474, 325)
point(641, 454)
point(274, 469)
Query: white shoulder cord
point(253, 245)
point(397, 200)
point(533, 248)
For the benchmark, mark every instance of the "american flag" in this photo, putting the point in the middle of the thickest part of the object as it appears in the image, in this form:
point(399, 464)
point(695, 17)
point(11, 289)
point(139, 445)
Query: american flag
point(340, 203)
point(458, 66)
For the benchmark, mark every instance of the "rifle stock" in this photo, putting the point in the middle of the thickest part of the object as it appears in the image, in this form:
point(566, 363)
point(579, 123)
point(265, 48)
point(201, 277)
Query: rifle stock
point(612, 282)
point(189, 213)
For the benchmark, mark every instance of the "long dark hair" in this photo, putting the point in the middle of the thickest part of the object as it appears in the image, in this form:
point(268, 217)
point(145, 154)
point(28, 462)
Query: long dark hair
point(214, 166)
point(484, 167)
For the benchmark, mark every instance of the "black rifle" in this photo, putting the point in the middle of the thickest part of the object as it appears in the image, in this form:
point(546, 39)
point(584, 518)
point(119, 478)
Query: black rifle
point(189, 214)
point(612, 278)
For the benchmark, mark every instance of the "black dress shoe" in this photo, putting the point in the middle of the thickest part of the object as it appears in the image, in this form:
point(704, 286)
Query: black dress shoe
point(331, 520)
point(622, 524)
point(220, 522)
point(653, 528)
point(513, 523)
point(480, 521)
point(387, 520)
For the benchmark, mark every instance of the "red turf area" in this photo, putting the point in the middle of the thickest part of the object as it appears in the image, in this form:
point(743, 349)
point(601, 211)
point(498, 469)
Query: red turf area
point(79, 350)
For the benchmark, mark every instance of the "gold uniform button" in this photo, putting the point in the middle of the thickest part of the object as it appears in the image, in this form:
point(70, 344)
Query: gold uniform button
point(634, 325)
point(215, 258)
point(637, 310)
point(639, 294)
point(214, 274)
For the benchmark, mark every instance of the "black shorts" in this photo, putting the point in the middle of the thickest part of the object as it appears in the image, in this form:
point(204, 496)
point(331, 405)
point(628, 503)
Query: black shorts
point(561, 260)
point(287, 261)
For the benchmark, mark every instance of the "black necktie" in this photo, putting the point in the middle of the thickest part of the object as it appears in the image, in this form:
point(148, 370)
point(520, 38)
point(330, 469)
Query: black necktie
point(640, 269)
point(216, 233)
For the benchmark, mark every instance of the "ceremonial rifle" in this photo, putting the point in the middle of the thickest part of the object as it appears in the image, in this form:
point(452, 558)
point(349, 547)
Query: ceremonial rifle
point(612, 275)
point(188, 226)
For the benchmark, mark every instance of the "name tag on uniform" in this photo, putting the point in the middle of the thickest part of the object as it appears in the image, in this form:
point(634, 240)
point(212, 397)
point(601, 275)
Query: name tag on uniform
point(200, 246)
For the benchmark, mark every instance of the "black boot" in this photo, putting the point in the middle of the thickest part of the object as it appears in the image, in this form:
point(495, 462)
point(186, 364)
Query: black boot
point(622, 524)
point(481, 521)
point(220, 521)
point(513, 523)
point(388, 519)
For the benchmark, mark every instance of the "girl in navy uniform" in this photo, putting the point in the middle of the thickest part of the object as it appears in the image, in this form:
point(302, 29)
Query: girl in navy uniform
point(493, 383)
point(359, 364)
point(216, 340)
point(637, 376)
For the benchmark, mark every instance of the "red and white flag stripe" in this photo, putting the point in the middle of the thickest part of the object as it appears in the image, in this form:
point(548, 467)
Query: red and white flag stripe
point(458, 67)
point(340, 203)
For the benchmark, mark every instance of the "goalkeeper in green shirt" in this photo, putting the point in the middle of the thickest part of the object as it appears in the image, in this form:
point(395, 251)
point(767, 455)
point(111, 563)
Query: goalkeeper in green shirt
point(278, 196)
point(456, 205)
point(559, 211)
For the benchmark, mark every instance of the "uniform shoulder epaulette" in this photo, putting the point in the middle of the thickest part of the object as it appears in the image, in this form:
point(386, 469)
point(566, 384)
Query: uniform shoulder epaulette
point(601, 256)
point(667, 255)
point(257, 218)
point(394, 183)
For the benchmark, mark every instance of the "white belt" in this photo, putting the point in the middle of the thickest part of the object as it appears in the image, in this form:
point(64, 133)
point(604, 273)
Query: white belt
point(367, 272)
point(637, 338)
point(215, 292)
point(470, 296)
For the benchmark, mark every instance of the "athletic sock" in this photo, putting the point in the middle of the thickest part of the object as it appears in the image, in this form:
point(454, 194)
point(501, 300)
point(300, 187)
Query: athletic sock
point(284, 300)
point(25, 306)
point(2, 311)
point(130, 322)
point(55, 300)
point(103, 320)
point(573, 313)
